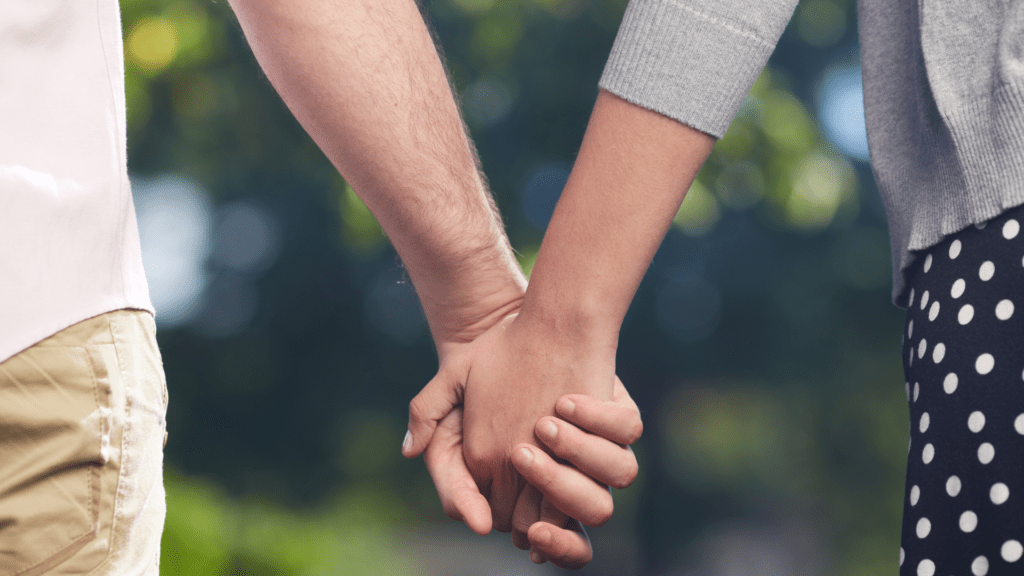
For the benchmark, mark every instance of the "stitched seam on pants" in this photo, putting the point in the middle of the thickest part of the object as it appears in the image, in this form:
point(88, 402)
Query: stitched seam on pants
point(94, 494)
point(119, 350)
point(96, 361)
point(74, 547)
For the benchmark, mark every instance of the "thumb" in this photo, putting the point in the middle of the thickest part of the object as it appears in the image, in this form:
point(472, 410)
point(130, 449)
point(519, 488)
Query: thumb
point(459, 493)
point(439, 397)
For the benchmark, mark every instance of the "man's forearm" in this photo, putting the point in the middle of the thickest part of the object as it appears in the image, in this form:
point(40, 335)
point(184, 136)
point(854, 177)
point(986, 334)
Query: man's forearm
point(364, 79)
point(630, 177)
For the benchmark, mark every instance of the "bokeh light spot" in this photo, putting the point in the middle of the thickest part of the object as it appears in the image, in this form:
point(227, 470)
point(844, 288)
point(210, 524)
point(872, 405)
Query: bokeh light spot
point(174, 218)
point(740, 185)
point(841, 111)
point(247, 237)
point(359, 228)
point(818, 190)
point(821, 23)
point(152, 44)
point(488, 100)
point(474, 6)
point(786, 121)
point(699, 212)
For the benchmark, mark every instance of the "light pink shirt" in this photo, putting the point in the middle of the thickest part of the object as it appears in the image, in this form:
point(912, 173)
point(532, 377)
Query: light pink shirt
point(69, 243)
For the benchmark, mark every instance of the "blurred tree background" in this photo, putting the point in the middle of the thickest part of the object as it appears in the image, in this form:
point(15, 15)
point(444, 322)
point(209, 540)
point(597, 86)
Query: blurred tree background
point(762, 347)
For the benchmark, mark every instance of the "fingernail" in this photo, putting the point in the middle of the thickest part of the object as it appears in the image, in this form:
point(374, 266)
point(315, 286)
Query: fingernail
point(567, 407)
point(407, 442)
point(548, 430)
point(535, 557)
point(543, 536)
point(525, 456)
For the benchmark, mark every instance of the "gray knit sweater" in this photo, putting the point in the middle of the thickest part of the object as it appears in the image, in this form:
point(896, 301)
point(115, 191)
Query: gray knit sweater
point(943, 92)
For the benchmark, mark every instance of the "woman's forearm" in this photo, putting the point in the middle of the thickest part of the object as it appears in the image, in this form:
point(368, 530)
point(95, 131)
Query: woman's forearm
point(632, 172)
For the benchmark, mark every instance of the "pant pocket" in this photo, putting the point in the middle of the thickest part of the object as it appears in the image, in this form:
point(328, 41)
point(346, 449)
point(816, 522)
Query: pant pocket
point(55, 421)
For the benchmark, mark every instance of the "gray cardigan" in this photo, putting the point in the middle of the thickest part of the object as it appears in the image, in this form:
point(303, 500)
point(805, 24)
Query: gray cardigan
point(943, 92)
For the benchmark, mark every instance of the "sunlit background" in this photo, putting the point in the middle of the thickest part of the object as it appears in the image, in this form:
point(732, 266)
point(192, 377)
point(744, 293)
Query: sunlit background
point(761, 347)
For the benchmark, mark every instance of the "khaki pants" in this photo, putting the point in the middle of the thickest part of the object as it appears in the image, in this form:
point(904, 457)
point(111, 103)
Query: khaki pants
point(81, 451)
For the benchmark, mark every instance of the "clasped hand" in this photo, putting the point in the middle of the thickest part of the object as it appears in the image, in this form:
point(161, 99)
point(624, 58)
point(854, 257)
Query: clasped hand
point(498, 455)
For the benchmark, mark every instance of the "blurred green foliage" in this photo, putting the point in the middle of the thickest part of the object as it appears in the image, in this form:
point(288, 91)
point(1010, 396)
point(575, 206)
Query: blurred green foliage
point(761, 346)
point(773, 152)
point(208, 533)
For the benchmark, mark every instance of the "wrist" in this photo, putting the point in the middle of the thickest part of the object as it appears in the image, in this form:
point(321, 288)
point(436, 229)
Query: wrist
point(578, 324)
point(574, 343)
point(463, 300)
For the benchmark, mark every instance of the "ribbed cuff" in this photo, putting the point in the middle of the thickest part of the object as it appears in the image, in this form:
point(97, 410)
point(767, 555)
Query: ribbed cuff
point(688, 61)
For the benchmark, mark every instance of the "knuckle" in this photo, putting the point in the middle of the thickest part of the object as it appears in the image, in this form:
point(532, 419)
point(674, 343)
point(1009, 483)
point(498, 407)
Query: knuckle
point(476, 455)
point(636, 429)
point(626, 476)
point(520, 525)
point(602, 512)
point(542, 479)
point(539, 473)
point(417, 410)
point(572, 450)
point(546, 477)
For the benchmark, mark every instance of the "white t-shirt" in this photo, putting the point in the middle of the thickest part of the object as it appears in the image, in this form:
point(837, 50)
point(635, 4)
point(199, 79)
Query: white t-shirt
point(69, 243)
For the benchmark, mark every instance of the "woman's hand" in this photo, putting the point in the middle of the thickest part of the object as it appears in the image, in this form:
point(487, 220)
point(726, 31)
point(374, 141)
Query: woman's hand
point(487, 399)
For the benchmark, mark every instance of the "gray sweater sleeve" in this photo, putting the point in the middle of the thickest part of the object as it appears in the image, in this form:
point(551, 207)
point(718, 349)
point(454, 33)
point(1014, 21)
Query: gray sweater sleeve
point(694, 60)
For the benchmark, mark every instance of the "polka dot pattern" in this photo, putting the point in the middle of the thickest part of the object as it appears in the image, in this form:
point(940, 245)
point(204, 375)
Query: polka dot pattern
point(963, 355)
point(958, 288)
point(976, 421)
point(1010, 229)
point(965, 315)
point(950, 382)
point(986, 452)
point(968, 521)
point(1011, 551)
point(1004, 310)
point(953, 485)
point(980, 566)
point(999, 493)
point(924, 527)
point(986, 271)
point(984, 364)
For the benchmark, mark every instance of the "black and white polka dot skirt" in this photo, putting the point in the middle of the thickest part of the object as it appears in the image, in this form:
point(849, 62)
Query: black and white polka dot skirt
point(963, 356)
